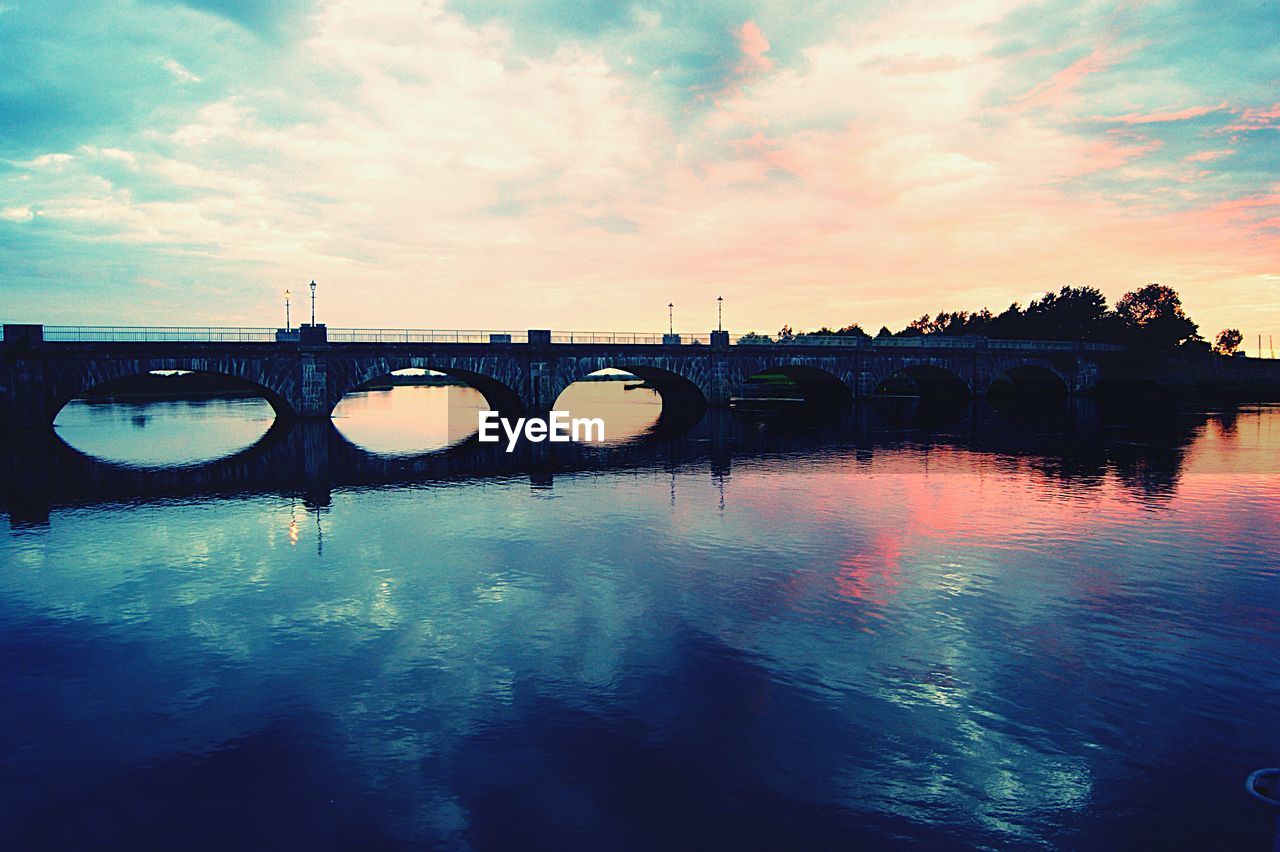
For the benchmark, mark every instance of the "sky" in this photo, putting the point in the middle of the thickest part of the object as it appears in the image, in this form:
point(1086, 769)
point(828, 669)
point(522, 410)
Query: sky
point(580, 164)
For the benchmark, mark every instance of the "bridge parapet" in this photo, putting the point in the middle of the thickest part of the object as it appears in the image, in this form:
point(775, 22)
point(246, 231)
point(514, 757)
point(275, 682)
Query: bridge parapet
point(22, 333)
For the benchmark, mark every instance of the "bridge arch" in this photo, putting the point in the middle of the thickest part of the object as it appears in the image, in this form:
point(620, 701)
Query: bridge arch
point(925, 379)
point(1029, 381)
point(682, 383)
point(820, 386)
point(268, 379)
point(351, 374)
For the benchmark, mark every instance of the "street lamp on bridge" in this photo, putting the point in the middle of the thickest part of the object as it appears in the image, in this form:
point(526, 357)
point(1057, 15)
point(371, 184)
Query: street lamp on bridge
point(719, 313)
point(671, 327)
point(286, 311)
point(313, 303)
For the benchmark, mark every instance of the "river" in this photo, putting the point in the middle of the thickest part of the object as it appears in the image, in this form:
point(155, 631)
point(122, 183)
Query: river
point(885, 629)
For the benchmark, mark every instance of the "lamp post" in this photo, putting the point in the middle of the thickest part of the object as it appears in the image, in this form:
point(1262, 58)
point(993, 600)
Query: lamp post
point(719, 313)
point(671, 328)
point(313, 303)
point(287, 327)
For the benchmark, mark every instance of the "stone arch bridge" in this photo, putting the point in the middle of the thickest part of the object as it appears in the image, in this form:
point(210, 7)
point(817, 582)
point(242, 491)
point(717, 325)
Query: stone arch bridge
point(306, 374)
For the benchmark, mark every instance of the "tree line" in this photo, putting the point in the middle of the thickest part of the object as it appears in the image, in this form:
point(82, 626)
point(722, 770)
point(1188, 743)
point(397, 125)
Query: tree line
point(1151, 317)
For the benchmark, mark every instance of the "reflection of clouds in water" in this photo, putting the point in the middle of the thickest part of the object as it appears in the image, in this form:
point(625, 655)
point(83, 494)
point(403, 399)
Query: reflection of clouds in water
point(439, 616)
point(409, 419)
point(164, 433)
point(626, 413)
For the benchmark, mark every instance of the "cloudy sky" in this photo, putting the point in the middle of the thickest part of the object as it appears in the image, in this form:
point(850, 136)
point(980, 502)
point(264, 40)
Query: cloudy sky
point(578, 164)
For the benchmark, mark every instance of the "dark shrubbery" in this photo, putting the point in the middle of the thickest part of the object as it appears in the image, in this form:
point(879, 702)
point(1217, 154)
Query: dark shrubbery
point(1150, 317)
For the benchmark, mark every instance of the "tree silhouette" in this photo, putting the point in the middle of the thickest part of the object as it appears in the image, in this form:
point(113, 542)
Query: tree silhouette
point(917, 327)
point(1228, 341)
point(1154, 316)
point(1073, 313)
point(1150, 317)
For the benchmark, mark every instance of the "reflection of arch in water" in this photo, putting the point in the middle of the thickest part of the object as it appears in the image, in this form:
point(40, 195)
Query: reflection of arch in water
point(308, 457)
point(102, 375)
point(923, 413)
point(407, 413)
point(276, 433)
point(820, 388)
point(1029, 382)
point(924, 380)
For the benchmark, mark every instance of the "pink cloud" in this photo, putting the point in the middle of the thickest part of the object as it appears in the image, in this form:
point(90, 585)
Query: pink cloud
point(1055, 91)
point(1088, 156)
point(1239, 207)
point(1206, 156)
point(754, 46)
point(1160, 117)
point(1255, 118)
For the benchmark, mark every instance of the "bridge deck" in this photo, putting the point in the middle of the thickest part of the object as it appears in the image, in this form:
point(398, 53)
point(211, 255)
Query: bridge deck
point(388, 336)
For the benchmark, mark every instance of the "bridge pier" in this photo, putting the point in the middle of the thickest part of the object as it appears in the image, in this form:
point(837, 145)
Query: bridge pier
point(313, 388)
point(25, 403)
point(22, 401)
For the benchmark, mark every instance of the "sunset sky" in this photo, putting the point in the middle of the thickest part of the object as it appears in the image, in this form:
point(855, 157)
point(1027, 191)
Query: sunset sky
point(578, 165)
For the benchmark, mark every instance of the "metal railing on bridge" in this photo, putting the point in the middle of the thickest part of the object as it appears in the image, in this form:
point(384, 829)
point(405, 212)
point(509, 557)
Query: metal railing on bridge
point(625, 337)
point(424, 335)
point(156, 334)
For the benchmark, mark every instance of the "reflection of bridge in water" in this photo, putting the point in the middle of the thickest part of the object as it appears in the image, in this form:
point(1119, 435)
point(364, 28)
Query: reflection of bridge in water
point(310, 457)
point(306, 372)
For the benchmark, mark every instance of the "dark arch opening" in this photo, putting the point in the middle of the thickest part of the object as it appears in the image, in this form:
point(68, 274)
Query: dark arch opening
point(500, 397)
point(682, 401)
point(168, 418)
point(1028, 385)
point(174, 384)
point(791, 387)
point(926, 381)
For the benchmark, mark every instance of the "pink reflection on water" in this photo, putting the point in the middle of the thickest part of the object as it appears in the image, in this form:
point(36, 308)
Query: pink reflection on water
point(1202, 516)
point(872, 575)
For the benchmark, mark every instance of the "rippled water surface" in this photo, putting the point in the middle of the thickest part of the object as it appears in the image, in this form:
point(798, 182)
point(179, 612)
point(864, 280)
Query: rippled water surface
point(985, 632)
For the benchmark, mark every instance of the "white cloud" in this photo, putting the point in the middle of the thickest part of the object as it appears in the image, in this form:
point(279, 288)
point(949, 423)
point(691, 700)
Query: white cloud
point(175, 68)
point(17, 214)
point(48, 162)
point(113, 154)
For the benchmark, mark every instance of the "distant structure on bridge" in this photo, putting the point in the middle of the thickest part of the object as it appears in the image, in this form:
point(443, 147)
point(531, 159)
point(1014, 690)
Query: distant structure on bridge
point(305, 371)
